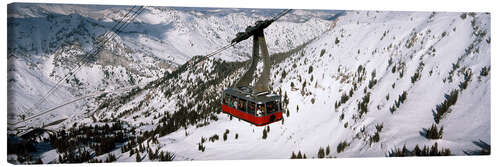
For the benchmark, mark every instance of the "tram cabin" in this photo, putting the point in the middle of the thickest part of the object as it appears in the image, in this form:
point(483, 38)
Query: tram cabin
point(259, 110)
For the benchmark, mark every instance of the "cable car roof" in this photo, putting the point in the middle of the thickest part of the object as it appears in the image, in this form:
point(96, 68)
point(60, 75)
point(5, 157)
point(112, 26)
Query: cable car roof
point(247, 95)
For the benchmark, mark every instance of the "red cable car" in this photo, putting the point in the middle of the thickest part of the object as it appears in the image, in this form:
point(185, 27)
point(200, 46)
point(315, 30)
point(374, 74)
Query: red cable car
point(259, 110)
point(256, 105)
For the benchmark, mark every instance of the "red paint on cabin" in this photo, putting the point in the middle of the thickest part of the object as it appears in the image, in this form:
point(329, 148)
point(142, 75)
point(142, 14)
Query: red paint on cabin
point(256, 120)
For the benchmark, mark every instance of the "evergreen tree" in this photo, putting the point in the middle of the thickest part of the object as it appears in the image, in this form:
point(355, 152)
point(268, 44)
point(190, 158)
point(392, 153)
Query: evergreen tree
point(425, 150)
point(328, 150)
point(434, 150)
point(138, 157)
point(60, 159)
point(168, 156)
point(417, 151)
point(131, 152)
point(162, 156)
point(110, 158)
point(150, 154)
point(405, 150)
point(264, 134)
point(341, 146)
point(225, 134)
point(321, 153)
point(141, 148)
point(441, 132)
point(433, 133)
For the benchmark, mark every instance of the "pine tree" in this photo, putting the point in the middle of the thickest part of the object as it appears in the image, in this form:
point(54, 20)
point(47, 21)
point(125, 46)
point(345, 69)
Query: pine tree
point(150, 154)
point(434, 150)
point(441, 132)
point(417, 151)
point(60, 159)
point(328, 150)
point(403, 97)
point(131, 152)
point(141, 148)
point(433, 133)
point(425, 151)
point(162, 156)
point(405, 150)
point(110, 158)
point(341, 146)
point(321, 153)
point(264, 134)
point(138, 157)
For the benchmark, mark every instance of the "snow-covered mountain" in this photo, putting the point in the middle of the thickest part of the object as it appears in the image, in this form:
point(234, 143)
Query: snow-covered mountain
point(47, 41)
point(367, 83)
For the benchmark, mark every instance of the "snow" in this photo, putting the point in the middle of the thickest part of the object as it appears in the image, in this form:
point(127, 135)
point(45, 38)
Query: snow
point(317, 125)
point(366, 39)
point(160, 37)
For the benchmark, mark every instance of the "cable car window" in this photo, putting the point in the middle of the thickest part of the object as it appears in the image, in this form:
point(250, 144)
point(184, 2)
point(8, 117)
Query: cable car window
point(234, 102)
point(251, 107)
point(272, 107)
point(260, 110)
point(227, 99)
point(242, 104)
point(279, 106)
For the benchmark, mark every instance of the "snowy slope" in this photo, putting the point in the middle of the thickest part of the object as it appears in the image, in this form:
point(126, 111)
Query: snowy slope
point(349, 55)
point(49, 40)
point(334, 73)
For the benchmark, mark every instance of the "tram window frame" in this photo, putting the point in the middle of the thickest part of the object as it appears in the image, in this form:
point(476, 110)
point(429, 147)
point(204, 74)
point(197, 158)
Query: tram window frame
point(274, 106)
point(227, 99)
point(264, 113)
point(233, 99)
point(249, 104)
point(279, 105)
point(241, 102)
